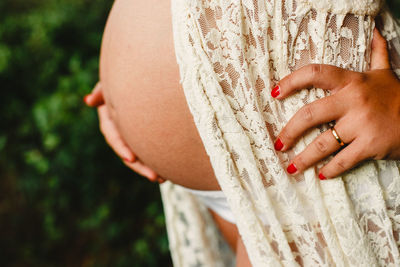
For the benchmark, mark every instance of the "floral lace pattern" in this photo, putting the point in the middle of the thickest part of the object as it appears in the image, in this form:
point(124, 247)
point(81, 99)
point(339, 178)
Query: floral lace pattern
point(230, 55)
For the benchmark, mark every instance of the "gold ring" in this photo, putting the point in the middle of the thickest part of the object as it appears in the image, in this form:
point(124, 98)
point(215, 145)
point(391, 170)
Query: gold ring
point(335, 134)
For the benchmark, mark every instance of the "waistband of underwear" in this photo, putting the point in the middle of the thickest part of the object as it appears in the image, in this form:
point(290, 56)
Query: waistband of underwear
point(216, 201)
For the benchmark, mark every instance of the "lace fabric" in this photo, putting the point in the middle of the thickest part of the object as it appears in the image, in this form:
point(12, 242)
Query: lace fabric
point(230, 53)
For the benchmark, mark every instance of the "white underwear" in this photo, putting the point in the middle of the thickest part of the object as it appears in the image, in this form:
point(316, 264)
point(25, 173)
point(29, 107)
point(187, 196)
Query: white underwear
point(216, 201)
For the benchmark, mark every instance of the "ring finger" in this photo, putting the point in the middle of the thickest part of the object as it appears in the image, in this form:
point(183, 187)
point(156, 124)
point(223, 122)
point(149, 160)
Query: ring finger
point(323, 110)
point(323, 146)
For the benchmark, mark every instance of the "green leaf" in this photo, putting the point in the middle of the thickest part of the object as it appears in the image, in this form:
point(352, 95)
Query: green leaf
point(3, 142)
point(36, 159)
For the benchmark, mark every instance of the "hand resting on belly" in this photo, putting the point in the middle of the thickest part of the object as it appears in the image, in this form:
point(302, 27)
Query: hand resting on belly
point(140, 83)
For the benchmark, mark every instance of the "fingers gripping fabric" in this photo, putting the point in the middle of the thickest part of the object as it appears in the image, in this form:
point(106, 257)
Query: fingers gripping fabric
point(230, 53)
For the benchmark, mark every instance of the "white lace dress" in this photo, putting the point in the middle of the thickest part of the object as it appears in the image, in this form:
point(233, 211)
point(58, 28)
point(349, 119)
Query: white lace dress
point(230, 54)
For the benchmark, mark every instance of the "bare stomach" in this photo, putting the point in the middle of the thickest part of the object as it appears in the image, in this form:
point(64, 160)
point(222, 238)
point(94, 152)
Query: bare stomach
point(140, 80)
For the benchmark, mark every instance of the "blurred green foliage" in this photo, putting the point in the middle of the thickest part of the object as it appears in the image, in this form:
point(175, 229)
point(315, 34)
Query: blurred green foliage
point(66, 199)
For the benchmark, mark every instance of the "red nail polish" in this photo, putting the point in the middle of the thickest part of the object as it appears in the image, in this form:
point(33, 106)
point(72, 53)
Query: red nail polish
point(278, 145)
point(291, 169)
point(160, 180)
point(276, 91)
point(85, 98)
point(127, 160)
point(321, 176)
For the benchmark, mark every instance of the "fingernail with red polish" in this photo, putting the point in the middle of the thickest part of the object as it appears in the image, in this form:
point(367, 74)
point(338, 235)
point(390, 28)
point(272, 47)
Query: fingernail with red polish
point(127, 159)
point(85, 99)
point(276, 91)
point(278, 145)
point(321, 176)
point(160, 180)
point(291, 169)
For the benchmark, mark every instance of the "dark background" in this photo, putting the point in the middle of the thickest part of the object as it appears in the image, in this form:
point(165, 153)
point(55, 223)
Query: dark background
point(65, 198)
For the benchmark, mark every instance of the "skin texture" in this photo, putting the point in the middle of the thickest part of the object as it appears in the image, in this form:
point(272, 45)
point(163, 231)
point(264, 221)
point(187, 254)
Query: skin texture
point(365, 106)
point(142, 108)
point(114, 139)
point(140, 84)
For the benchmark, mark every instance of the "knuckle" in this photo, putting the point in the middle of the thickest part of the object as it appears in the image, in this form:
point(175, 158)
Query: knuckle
point(366, 117)
point(358, 156)
point(286, 137)
point(382, 154)
point(286, 82)
point(341, 165)
point(307, 112)
point(378, 156)
point(360, 78)
point(300, 162)
point(321, 145)
point(373, 141)
point(360, 96)
point(316, 70)
point(363, 99)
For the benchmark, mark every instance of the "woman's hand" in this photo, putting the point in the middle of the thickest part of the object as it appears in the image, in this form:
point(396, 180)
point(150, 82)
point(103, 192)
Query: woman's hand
point(114, 139)
point(365, 106)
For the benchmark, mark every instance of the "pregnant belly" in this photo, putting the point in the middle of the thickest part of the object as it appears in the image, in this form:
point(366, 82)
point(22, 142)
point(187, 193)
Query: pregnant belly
point(140, 80)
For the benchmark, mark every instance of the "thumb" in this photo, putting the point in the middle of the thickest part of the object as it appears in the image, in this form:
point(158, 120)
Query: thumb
point(379, 54)
point(95, 98)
